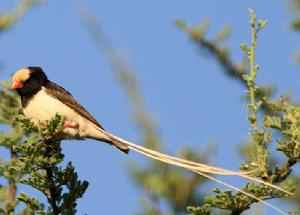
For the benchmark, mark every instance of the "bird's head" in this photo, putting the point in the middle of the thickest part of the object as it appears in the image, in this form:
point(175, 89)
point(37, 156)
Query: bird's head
point(28, 80)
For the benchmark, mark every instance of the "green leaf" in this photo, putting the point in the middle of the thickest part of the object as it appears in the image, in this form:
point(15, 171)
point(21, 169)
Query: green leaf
point(262, 24)
point(245, 48)
point(272, 122)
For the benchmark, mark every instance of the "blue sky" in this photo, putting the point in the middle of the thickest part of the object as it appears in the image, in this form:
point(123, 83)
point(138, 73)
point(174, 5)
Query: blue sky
point(192, 101)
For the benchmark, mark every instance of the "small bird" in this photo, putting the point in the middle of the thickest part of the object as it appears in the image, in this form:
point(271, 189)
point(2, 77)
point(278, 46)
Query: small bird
point(42, 99)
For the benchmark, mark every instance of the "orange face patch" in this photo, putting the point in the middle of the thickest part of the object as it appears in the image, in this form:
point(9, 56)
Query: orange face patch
point(19, 78)
point(21, 75)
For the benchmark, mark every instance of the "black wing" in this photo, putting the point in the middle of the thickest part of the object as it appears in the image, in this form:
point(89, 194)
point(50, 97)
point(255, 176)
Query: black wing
point(64, 96)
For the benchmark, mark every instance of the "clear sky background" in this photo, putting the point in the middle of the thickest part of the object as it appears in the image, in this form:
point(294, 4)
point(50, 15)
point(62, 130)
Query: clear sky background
point(191, 99)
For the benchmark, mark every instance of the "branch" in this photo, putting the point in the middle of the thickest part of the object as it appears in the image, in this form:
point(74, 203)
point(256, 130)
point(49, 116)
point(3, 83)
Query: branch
point(12, 188)
point(9, 19)
point(221, 55)
point(258, 136)
point(282, 172)
point(42, 157)
point(53, 196)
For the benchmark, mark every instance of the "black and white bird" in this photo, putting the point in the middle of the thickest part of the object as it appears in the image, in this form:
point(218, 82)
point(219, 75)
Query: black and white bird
point(42, 99)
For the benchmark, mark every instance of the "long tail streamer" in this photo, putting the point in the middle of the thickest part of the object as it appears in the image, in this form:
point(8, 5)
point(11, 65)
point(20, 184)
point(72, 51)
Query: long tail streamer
point(203, 169)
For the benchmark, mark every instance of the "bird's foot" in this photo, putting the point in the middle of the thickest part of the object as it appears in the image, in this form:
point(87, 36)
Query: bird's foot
point(71, 124)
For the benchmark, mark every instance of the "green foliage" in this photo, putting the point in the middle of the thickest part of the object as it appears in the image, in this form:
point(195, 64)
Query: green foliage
point(35, 154)
point(32, 203)
point(287, 123)
point(203, 210)
point(221, 54)
point(294, 6)
point(284, 118)
point(239, 202)
point(163, 183)
point(36, 162)
point(9, 106)
point(8, 19)
point(41, 156)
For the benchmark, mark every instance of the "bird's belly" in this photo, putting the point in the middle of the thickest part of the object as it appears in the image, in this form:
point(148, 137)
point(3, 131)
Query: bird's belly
point(42, 108)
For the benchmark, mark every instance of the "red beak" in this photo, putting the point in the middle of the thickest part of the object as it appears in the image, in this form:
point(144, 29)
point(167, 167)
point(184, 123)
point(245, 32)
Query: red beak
point(16, 85)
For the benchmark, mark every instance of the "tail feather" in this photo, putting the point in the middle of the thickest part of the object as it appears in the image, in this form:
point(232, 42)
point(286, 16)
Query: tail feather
point(117, 143)
point(198, 168)
point(121, 146)
point(104, 136)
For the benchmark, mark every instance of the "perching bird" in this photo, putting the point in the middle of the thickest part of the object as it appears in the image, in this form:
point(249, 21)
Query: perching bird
point(42, 99)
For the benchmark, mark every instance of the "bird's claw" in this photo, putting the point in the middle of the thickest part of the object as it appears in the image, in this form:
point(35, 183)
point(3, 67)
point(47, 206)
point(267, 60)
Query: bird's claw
point(70, 124)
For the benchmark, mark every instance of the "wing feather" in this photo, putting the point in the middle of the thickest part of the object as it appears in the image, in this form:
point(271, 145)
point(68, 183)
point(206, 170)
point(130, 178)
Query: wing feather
point(65, 97)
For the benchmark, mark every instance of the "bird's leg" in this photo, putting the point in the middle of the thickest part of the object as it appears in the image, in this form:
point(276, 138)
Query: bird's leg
point(70, 124)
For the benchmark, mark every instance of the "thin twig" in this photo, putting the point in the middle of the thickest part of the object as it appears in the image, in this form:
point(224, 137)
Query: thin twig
point(52, 197)
point(253, 106)
point(12, 188)
point(284, 169)
point(233, 71)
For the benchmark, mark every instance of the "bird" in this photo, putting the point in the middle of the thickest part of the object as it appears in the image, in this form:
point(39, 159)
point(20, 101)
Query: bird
point(42, 99)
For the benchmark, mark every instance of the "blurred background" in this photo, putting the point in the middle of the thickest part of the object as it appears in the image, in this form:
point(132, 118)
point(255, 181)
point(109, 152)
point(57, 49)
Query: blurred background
point(146, 80)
